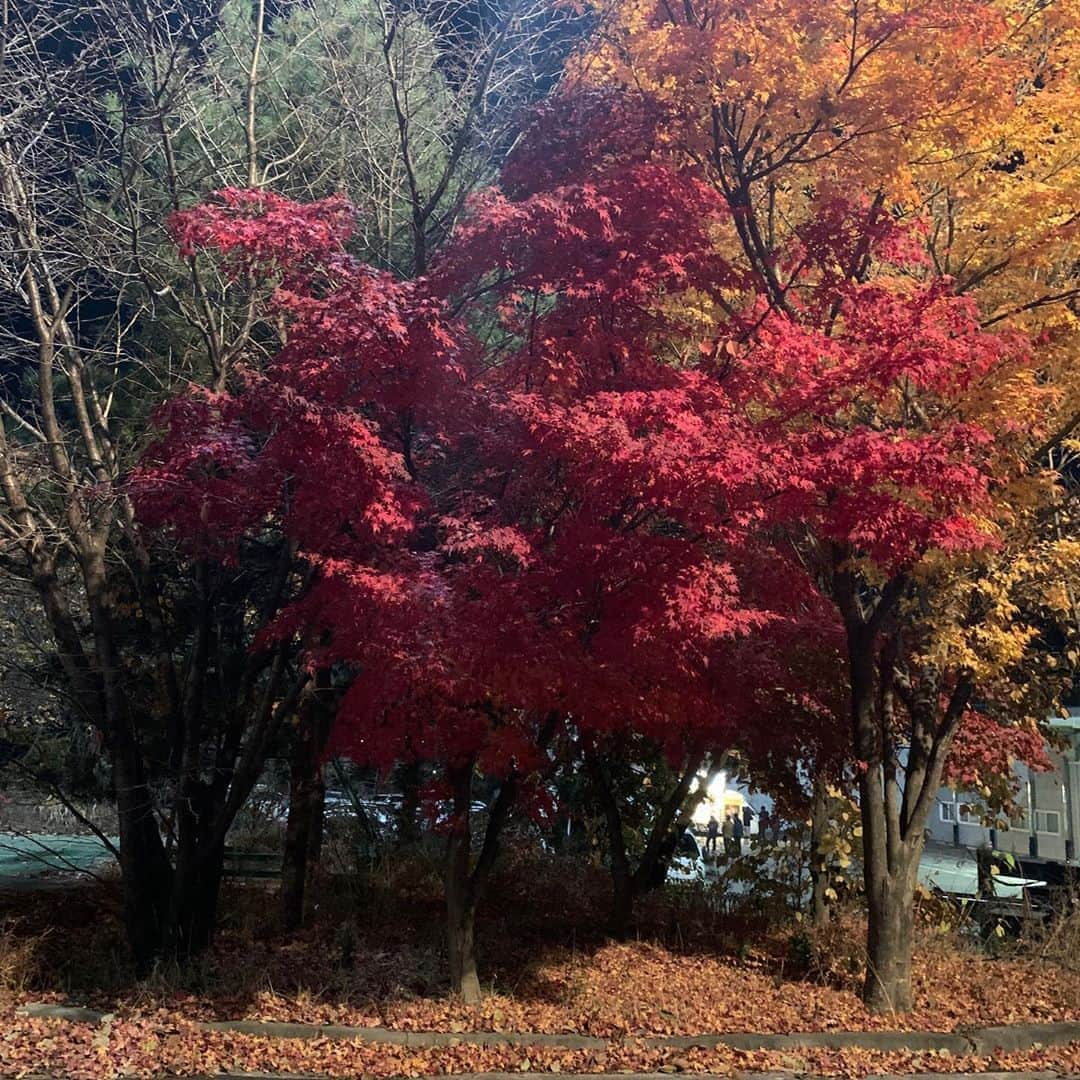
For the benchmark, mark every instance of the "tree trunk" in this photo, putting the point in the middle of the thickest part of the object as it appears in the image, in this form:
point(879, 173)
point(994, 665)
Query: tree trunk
point(465, 887)
point(407, 832)
point(461, 927)
point(303, 838)
point(146, 875)
point(194, 902)
point(984, 869)
point(318, 823)
point(894, 816)
point(170, 914)
point(202, 924)
point(460, 894)
point(622, 880)
point(672, 820)
point(889, 940)
point(307, 795)
point(887, 985)
point(294, 863)
point(819, 863)
point(622, 903)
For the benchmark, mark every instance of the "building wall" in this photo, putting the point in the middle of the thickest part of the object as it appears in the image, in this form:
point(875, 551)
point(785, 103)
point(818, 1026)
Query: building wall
point(1050, 809)
point(1072, 783)
point(1048, 822)
point(937, 828)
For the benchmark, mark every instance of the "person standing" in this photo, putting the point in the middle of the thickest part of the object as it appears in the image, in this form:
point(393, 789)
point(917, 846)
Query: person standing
point(711, 833)
point(764, 824)
point(729, 836)
point(737, 833)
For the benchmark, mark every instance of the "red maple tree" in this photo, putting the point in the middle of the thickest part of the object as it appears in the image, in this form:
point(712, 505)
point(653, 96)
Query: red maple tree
point(528, 492)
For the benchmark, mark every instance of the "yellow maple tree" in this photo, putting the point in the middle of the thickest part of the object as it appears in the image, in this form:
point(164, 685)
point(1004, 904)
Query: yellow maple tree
point(963, 115)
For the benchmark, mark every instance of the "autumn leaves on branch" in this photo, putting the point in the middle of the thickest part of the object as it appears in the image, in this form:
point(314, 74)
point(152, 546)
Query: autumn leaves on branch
point(763, 348)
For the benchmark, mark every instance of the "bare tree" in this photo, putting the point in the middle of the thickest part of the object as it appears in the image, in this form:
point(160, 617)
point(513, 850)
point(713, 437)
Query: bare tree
point(186, 711)
point(113, 115)
point(493, 59)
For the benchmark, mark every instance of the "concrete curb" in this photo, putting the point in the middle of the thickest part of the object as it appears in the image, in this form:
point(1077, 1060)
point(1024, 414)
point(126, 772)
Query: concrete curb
point(777, 1075)
point(780, 1075)
point(72, 1013)
point(273, 1030)
point(1023, 1036)
point(980, 1041)
point(913, 1041)
point(960, 1076)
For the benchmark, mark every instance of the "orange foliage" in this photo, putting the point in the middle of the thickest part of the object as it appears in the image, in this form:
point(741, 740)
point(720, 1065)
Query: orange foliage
point(963, 114)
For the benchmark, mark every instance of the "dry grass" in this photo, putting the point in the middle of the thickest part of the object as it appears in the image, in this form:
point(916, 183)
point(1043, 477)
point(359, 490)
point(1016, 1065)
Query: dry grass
point(1059, 941)
point(19, 956)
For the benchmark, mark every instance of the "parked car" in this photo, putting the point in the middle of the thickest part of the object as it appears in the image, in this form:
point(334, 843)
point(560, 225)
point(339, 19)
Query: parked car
point(688, 862)
point(338, 804)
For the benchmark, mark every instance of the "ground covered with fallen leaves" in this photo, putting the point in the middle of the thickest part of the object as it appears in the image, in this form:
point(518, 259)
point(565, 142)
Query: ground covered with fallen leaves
point(372, 957)
point(162, 1044)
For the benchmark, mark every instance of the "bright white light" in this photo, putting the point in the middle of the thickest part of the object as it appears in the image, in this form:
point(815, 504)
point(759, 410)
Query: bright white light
point(718, 801)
